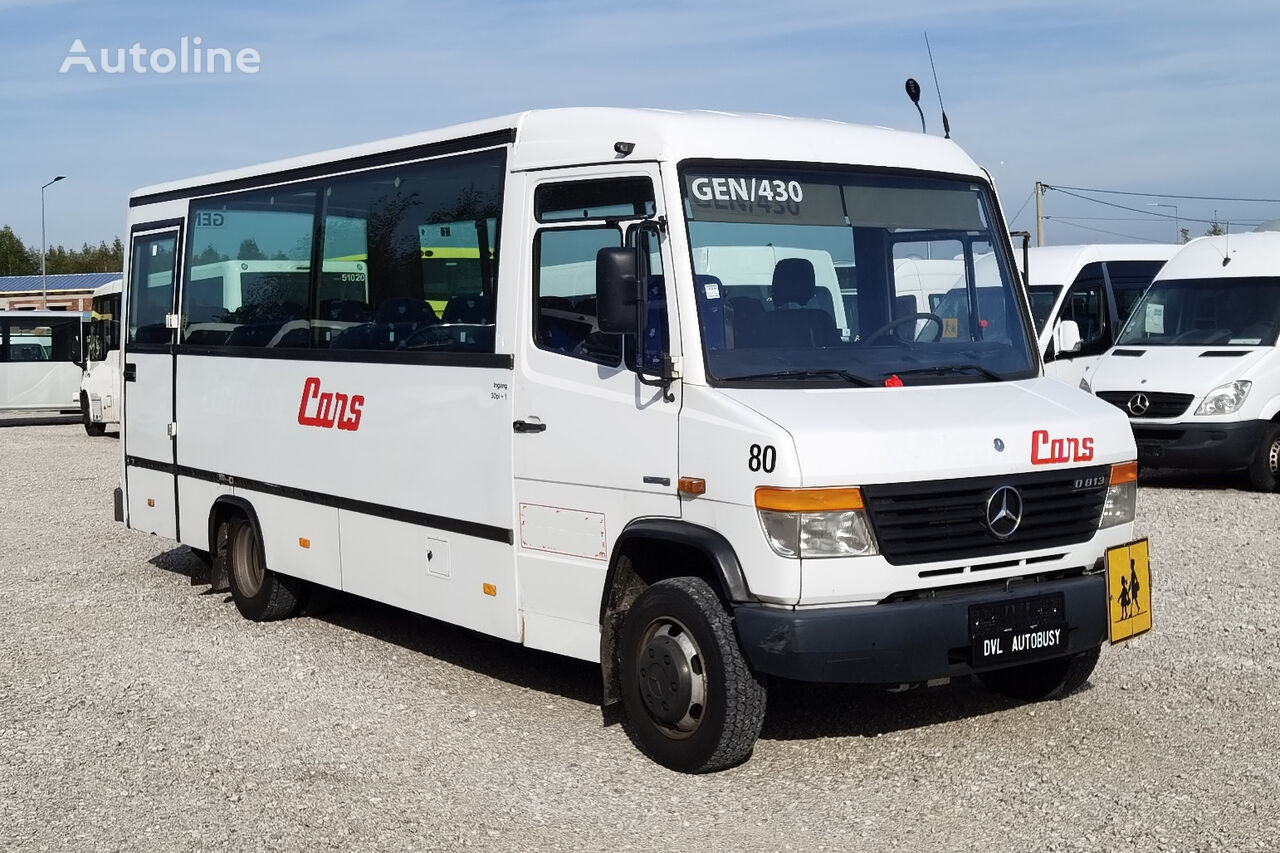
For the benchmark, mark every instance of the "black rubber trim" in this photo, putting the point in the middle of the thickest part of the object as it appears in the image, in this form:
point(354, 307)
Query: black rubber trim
point(713, 545)
point(156, 225)
point(489, 532)
point(502, 361)
point(351, 164)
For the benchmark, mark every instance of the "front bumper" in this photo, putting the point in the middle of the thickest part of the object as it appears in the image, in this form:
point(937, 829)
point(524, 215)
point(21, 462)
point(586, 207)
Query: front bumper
point(1219, 446)
point(905, 641)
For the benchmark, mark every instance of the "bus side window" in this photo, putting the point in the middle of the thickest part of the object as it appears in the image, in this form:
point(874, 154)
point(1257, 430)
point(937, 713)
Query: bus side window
point(410, 257)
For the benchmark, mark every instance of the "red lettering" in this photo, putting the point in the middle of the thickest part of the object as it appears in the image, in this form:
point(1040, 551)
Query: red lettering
point(1049, 451)
point(310, 390)
point(352, 422)
point(329, 409)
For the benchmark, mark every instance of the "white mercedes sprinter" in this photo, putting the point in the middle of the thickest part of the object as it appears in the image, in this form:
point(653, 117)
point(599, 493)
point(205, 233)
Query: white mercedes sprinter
point(1196, 369)
point(627, 410)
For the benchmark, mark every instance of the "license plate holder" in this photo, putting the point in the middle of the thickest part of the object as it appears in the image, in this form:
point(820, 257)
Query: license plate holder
point(1017, 630)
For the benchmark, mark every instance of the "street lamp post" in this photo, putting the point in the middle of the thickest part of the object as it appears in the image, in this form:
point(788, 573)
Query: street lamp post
point(44, 278)
point(1177, 230)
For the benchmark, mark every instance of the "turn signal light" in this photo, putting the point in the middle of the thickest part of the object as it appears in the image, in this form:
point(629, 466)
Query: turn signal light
point(807, 500)
point(1125, 472)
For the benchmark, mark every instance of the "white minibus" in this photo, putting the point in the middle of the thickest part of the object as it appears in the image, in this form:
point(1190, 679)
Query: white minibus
point(41, 360)
point(639, 431)
point(1196, 369)
point(1096, 286)
point(100, 385)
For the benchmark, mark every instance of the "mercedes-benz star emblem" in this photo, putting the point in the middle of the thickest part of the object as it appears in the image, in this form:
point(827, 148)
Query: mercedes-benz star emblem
point(1004, 512)
point(1138, 404)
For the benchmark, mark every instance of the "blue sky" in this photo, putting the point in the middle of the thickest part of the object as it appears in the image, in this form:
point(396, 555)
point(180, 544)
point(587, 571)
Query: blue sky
point(1168, 97)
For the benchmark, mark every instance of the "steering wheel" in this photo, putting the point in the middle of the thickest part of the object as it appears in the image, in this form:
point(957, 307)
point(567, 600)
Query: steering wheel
point(907, 318)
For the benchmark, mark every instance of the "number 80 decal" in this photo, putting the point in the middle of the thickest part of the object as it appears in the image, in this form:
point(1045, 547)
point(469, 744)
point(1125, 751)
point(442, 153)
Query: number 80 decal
point(762, 458)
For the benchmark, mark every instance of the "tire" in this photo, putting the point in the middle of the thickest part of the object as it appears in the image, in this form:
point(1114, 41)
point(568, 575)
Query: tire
point(1044, 679)
point(692, 703)
point(92, 429)
point(1264, 470)
point(260, 594)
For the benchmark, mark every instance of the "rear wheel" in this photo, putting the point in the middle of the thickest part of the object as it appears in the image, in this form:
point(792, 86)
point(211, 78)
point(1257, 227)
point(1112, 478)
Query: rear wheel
point(1264, 471)
point(259, 593)
point(1044, 679)
point(692, 702)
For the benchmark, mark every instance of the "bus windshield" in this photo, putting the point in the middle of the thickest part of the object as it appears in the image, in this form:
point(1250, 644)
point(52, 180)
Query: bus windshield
point(839, 275)
point(1206, 311)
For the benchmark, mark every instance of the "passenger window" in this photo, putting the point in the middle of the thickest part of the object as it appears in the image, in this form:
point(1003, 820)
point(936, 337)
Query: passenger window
point(564, 289)
point(249, 279)
point(580, 200)
point(151, 278)
point(1086, 304)
point(410, 258)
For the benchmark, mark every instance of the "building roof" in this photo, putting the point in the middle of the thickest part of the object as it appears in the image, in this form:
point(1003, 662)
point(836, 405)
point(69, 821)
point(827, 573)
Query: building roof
point(69, 281)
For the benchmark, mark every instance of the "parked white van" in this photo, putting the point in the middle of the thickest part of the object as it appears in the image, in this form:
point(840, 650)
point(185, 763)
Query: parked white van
point(1094, 285)
point(41, 360)
point(1196, 368)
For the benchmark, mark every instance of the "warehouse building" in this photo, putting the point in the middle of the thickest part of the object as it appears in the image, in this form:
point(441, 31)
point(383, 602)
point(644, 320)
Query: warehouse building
point(71, 292)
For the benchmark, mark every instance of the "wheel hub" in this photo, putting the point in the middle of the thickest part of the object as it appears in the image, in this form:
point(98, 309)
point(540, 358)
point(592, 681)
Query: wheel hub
point(672, 679)
point(1273, 457)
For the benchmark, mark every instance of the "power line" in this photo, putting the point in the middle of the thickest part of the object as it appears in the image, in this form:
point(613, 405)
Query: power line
point(1024, 206)
point(1143, 219)
point(1137, 210)
point(1161, 195)
point(1112, 233)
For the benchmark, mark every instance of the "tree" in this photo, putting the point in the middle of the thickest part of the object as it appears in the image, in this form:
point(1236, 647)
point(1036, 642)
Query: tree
point(1184, 235)
point(209, 255)
point(249, 251)
point(1215, 228)
point(14, 257)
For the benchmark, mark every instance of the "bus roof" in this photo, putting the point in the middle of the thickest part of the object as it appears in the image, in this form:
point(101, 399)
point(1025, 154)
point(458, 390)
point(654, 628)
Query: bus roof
point(1255, 254)
point(1061, 264)
point(581, 135)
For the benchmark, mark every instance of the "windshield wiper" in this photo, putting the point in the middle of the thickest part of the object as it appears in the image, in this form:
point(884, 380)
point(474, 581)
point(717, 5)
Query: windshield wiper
point(820, 373)
point(944, 369)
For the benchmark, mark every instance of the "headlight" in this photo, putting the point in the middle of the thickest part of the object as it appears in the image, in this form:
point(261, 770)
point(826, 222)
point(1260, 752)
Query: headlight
point(1122, 495)
point(815, 522)
point(1225, 399)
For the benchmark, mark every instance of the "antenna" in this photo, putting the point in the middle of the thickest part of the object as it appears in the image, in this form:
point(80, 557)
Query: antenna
point(946, 125)
point(1226, 244)
point(913, 92)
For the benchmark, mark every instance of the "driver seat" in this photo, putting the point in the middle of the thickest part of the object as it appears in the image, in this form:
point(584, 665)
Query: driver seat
point(792, 323)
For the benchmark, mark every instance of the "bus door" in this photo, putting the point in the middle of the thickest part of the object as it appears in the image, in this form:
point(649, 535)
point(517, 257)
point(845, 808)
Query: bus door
point(148, 425)
point(594, 447)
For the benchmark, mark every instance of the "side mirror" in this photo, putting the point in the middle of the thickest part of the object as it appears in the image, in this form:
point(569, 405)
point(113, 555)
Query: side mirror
point(1066, 337)
point(617, 290)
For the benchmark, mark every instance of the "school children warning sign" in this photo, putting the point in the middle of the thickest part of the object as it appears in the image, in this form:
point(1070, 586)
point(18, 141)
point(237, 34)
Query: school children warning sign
point(1129, 590)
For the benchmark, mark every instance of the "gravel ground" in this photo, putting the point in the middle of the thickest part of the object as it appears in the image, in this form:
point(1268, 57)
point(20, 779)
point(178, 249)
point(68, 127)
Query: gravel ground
point(137, 713)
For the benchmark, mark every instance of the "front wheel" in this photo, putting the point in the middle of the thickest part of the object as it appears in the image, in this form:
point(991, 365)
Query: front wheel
point(692, 702)
point(1264, 471)
point(1044, 679)
point(259, 593)
point(90, 428)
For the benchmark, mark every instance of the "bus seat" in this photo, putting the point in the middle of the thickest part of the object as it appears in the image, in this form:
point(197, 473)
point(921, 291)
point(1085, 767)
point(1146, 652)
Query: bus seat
point(711, 310)
point(473, 308)
point(792, 323)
